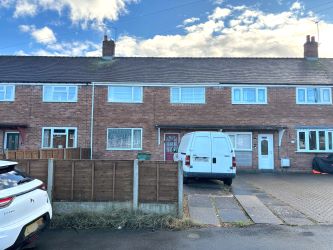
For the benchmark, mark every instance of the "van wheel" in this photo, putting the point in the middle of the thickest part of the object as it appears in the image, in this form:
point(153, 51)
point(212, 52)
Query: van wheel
point(227, 181)
point(185, 180)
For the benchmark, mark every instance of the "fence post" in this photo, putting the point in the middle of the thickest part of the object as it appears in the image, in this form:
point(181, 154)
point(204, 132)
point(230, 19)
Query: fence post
point(180, 189)
point(136, 184)
point(50, 174)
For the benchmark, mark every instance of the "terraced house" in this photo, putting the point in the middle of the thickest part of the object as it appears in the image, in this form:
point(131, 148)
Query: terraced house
point(277, 111)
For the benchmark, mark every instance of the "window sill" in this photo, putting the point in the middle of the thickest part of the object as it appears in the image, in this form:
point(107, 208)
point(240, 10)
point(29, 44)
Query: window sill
point(124, 149)
point(316, 104)
point(113, 102)
point(244, 103)
point(60, 101)
point(315, 152)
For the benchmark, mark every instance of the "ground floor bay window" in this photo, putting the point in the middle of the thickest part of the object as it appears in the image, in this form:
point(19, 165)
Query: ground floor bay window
point(59, 137)
point(315, 140)
point(124, 139)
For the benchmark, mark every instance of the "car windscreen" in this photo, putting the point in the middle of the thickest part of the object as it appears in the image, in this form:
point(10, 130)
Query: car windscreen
point(12, 177)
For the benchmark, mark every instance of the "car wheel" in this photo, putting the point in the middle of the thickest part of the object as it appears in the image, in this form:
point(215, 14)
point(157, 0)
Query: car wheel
point(185, 180)
point(227, 181)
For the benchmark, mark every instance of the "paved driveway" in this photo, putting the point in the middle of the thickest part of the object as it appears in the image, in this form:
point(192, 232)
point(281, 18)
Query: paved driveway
point(312, 195)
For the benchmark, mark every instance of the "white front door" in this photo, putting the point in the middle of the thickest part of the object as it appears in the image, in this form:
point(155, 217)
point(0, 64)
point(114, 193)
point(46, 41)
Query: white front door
point(265, 151)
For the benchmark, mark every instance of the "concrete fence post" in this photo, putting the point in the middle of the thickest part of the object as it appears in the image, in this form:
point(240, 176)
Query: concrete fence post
point(50, 174)
point(136, 184)
point(180, 189)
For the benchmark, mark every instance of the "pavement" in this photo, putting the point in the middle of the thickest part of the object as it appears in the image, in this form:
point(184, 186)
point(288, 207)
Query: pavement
point(252, 237)
point(308, 195)
point(211, 203)
point(266, 198)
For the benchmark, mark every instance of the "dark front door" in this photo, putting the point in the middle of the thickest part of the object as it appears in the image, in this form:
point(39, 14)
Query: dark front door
point(171, 146)
point(12, 142)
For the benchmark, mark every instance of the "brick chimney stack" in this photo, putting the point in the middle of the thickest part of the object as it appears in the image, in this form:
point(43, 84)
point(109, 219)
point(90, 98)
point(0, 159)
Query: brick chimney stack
point(310, 48)
point(108, 48)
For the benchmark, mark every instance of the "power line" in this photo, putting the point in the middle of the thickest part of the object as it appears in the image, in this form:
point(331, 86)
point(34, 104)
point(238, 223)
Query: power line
point(162, 10)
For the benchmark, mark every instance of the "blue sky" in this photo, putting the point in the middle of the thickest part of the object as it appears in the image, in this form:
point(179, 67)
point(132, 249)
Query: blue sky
point(164, 28)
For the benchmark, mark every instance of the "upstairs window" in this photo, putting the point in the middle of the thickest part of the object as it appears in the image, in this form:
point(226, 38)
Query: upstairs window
point(59, 138)
point(195, 95)
point(59, 93)
point(125, 94)
point(315, 140)
point(249, 95)
point(313, 96)
point(7, 93)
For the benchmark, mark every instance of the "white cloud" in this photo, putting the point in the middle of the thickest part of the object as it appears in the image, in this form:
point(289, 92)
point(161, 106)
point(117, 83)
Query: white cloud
point(191, 20)
point(75, 48)
point(43, 35)
point(218, 1)
point(219, 13)
point(296, 6)
point(5, 3)
point(25, 8)
point(247, 33)
point(79, 11)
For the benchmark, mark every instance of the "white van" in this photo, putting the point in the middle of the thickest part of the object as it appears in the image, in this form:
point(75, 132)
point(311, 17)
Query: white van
point(207, 155)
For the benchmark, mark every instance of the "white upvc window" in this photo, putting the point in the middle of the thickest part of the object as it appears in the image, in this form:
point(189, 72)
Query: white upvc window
point(124, 139)
point(125, 94)
point(195, 95)
point(311, 95)
point(60, 93)
point(7, 93)
point(315, 140)
point(249, 95)
point(62, 137)
point(241, 141)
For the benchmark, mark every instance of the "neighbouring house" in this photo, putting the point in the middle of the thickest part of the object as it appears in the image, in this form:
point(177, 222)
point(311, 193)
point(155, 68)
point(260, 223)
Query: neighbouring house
point(277, 111)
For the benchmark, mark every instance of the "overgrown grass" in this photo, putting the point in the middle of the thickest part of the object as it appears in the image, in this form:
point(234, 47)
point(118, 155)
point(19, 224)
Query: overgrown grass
point(120, 219)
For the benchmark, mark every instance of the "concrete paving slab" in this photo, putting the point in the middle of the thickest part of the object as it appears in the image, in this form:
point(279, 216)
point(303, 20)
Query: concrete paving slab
point(199, 201)
point(204, 215)
point(290, 215)
point(226, 203)
point(233, 215)
point(258, 212)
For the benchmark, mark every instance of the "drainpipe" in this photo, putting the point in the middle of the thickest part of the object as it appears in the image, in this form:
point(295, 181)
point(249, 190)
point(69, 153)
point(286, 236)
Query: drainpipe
point(92, 119)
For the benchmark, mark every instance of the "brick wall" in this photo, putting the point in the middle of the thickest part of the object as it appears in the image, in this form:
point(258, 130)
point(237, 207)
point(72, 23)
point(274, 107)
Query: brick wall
point(28, 108)
point(156, 109)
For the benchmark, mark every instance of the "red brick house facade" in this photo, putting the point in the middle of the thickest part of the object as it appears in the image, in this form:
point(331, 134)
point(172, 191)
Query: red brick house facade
point(273, 108)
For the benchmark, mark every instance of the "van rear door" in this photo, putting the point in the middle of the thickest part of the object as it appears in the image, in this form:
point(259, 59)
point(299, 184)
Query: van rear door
point(221, 154)
point(201, 151)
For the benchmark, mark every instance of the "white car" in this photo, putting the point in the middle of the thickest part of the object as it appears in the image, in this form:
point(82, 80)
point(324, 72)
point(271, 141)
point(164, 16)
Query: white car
point(25, 208)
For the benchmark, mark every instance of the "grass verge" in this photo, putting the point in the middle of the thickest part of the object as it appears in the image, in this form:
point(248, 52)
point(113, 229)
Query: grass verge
point(120, 219)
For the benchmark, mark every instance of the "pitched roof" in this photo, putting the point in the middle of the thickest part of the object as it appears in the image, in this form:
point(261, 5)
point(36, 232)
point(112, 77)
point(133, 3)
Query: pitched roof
point(35, 69)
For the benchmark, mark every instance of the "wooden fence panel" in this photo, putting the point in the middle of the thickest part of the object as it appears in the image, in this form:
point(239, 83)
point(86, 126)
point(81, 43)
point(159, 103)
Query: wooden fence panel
point(148, 181)
point(56, 153)
point(123, 186)
point(107, 180)
point(62, 180)
point(104, 179)
point(34, 168)
point(158, 181)
point(168, 183)
point(73, 153)
point(82, 180)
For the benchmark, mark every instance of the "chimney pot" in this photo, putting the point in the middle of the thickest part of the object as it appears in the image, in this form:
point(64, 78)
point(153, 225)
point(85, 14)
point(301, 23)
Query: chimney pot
point(311, 48)
point(308, 38)
point(108, 48)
